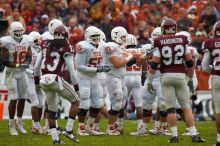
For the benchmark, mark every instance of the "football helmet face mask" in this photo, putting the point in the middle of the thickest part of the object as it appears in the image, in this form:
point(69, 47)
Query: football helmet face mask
point(35, 35)
point(185, 33)
point(168, 26)
point(60, 33)
point(92, 35)
point(53, 24)
point(156, 33)
point(16, 30)
point(216, 29)
point(131, 41)
point(119, 35)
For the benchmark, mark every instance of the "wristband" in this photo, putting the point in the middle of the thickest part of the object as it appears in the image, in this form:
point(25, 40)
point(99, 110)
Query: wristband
point(129, 57)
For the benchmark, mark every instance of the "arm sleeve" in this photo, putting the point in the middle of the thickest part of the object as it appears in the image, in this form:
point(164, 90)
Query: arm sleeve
point(37, 66)
point(206, 62)
point(70, 66)
point(80, 62)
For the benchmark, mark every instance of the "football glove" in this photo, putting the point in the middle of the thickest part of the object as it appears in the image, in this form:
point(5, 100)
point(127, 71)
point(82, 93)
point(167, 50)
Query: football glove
point(150, 88)
point(131, 62)
point(103, 68)
point(190, 84)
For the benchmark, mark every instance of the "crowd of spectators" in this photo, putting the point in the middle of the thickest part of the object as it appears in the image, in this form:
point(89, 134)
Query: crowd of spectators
point(139, 17)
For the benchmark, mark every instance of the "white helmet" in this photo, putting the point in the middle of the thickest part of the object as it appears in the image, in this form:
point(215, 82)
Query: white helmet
point(53, 24)
point(102, 35)
point(35, 35)
point(16, 30)
point(131, 40)
point(156, 33)
point(119, 35)
point(185, 33)
point(148, 48)
point(92, 35)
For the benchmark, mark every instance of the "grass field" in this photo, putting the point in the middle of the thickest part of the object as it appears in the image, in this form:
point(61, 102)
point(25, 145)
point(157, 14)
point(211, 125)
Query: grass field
point(206, 129)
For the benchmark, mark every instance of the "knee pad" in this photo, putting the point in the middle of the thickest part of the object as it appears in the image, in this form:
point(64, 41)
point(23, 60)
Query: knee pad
point(171, 111)
point(94, 110)
point(84, 93)
point(52, 115)
point(179, 111)
point(163, 113)
point(113, 112)
point(82, 112)
point(147, 113)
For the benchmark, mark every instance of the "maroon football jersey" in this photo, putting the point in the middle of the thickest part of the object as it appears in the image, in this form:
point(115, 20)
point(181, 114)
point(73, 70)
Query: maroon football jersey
point(213, 45)
point(53, 56)
point(172, 51)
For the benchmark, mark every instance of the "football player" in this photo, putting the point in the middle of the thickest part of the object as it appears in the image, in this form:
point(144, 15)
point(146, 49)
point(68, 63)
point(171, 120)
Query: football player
point(51, 60)
point(16, 56)
point(101, 76)
point(48, 35)
point(35, 94)
point(210, 63)
point(171, 52)
point(88, 58)
point(131, 82)
point(112, 55)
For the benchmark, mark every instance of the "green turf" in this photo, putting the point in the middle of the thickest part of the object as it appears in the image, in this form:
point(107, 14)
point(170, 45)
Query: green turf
point(206, 129)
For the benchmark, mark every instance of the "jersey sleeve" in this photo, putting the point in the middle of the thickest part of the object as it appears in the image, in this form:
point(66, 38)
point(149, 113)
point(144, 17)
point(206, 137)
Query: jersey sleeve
point(110, 50)
point(204, 47)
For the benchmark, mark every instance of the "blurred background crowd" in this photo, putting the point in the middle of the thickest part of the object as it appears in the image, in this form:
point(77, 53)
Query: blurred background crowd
point(139, 17)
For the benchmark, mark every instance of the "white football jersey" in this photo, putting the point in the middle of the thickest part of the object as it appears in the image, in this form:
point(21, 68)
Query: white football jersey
point(113, 49)
point(35, 54)
point(88, 57)
point(17, 50)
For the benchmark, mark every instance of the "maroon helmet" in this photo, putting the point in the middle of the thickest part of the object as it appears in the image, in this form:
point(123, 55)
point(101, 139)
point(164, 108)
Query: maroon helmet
point(168, 26)
point(60, 32)
point(216, 29)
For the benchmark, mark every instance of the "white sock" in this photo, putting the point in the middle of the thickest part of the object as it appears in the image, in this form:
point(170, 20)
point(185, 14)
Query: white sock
point(96, 125)
point(56, 124)
point(54, 134)
point(11, 122)
point(192, 130)
point(19, 120)
point(90, 121)
point(157, 124)
point(36, 125)
point(174, 131)
point(145, 125)
point(121, 123)
point(139, 123)
point(69, 124)
point(47, 124)
point(218, 137)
